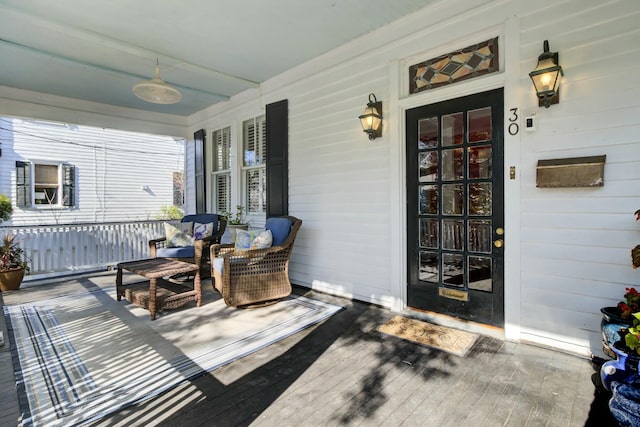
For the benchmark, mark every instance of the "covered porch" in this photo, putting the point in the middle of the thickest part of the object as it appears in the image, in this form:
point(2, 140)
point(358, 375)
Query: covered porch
point(561, 252)
point(344, 372)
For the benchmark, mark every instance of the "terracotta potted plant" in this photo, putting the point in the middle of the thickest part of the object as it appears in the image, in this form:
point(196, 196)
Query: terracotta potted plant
point(13, 261)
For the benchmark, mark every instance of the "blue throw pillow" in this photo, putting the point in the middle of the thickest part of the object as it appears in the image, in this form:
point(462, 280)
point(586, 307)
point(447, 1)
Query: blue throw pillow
point(280, 229)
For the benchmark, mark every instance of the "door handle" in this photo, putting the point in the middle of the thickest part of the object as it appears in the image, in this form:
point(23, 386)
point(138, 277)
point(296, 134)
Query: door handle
point(498, 243)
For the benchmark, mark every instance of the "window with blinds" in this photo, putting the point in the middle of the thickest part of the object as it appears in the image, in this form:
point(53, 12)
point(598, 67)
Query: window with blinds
point(221, 173)
point(45, 184)
point(254, 156)
point(53, 185)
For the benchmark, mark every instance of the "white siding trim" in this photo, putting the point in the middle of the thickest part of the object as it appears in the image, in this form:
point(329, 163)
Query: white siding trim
point(512, 99)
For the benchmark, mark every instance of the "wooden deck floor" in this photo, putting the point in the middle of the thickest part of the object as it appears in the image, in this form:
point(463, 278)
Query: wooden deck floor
point(344, 372)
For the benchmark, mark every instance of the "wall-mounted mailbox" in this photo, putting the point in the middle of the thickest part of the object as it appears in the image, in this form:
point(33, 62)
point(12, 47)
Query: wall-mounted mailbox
point(571, 172)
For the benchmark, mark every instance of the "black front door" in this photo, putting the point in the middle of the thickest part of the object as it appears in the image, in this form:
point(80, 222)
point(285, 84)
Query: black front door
point(455, 206)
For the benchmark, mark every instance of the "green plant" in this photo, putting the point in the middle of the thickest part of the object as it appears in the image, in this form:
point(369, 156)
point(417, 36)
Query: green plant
point(12, 256)
point(237, 218)
point(5, 208)
point(632, 338)
point(170, 212)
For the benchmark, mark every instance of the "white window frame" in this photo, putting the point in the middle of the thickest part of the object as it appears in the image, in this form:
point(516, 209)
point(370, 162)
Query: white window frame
point(254, 161)
point(221, 167)
point(27, 171)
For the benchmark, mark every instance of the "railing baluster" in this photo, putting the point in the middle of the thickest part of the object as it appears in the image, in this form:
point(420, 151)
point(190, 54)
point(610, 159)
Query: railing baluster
point(70, 247)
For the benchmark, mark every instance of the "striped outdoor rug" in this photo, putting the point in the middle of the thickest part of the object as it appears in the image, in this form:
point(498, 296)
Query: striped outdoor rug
point(80, 357)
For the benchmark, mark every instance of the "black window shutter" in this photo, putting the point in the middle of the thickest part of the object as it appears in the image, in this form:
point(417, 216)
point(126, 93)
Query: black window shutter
point(23, 184)
point(199, 140)
point(277, 121)
point(69, 185)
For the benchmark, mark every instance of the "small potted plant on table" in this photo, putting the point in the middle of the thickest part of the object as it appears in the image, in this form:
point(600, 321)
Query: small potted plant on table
point(236, 221)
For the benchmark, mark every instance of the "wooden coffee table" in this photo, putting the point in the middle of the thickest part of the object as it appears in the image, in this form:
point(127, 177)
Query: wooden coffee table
point(157, 292)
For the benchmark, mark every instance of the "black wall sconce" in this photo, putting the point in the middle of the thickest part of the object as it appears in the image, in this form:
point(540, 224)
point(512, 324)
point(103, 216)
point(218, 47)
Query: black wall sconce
point(546, 77)
point(371, 119)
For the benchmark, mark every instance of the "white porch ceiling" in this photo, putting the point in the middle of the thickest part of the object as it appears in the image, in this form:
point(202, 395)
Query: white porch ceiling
point(209, 50)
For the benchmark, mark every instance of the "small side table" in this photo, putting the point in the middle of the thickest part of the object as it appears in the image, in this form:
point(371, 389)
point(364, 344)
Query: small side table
point(157, 293)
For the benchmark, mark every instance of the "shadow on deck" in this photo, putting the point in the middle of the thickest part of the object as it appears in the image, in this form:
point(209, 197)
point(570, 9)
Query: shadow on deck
point(344, 372)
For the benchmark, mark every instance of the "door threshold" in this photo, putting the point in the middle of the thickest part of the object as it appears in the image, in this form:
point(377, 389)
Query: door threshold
point(455, 322)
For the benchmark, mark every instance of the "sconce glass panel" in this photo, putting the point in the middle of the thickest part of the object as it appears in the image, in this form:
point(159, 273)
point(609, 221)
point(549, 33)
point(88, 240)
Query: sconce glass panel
point(455, 66)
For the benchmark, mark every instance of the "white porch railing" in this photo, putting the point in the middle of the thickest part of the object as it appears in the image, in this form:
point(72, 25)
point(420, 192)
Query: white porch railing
point(54, 249)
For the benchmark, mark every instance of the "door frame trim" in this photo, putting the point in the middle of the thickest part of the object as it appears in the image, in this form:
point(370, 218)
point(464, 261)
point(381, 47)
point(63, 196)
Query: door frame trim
point(396, 127)
point(399, 170)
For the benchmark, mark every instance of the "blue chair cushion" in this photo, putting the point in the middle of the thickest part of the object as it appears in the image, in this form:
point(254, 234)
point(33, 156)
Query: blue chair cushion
point(218, 263)
point(204, 218)
point(182, 252)
point(280, 229)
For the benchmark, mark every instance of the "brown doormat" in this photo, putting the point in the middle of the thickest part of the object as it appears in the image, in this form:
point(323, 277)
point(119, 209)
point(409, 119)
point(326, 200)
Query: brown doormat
point(452, 341)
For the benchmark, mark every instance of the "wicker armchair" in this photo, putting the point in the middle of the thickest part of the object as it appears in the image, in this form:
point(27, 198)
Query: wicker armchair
point(258, 276)
point(199, 252)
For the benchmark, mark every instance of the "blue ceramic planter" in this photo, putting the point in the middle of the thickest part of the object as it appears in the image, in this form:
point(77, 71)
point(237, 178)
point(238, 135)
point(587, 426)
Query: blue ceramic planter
point(610, 324)
point(621, 368)
point(625, 401)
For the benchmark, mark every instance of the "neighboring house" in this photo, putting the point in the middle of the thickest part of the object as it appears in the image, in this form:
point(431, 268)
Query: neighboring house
point(59, 173)
point(478, 239)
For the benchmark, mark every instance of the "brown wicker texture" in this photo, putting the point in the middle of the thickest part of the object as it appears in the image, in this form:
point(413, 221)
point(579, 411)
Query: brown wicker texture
point(201, 248)
point(254, 276)
point(157, 293)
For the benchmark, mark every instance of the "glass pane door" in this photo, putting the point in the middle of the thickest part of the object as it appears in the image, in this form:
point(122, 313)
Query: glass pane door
point(454, 192)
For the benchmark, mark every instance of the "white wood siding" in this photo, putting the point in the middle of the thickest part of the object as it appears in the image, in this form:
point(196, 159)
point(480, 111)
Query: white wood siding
point(576, 243)
point(120, 176)
point(570, 247)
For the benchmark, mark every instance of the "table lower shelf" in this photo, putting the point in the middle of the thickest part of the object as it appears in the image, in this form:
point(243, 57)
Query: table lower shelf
point(168, 294)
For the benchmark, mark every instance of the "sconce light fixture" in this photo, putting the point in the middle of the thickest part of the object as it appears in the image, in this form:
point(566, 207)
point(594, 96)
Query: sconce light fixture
point(371, 119)
point(546, 77)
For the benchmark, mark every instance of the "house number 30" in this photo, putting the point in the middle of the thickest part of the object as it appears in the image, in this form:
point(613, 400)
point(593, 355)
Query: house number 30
point(513, 128)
